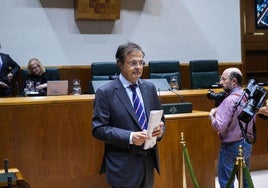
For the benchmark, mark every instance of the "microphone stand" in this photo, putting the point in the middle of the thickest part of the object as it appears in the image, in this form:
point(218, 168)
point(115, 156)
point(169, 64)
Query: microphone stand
point(181, 98)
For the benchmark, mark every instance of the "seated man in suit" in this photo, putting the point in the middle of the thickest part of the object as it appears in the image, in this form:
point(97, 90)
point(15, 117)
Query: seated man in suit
point(8, 70)
point(126, 163)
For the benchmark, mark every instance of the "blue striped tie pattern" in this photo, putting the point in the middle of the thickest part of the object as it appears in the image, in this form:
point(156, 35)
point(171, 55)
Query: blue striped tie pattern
point(138, 108)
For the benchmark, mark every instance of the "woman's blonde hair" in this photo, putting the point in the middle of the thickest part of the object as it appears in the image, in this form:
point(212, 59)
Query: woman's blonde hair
point(38, 63)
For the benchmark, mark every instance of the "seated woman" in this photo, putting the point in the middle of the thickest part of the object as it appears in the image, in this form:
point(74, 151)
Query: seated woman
point(36, 79)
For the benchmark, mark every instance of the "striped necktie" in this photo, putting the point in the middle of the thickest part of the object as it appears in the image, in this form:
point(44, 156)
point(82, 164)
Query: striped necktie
point(138, 108)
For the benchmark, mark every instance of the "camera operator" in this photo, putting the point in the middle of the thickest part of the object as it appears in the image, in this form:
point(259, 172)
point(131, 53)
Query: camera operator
point(224, 120)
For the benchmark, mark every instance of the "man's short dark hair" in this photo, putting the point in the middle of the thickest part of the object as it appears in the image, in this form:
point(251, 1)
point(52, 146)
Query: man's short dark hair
point(125, 49)
point(236, 75)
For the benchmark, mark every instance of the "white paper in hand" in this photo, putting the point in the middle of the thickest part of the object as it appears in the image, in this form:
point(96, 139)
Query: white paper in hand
point(154, 120)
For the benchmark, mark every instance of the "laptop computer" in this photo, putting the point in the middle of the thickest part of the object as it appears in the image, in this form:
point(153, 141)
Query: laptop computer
point(57, 87)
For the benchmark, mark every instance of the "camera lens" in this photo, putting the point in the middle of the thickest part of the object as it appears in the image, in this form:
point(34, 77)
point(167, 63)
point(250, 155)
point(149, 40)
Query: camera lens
point(217, 97)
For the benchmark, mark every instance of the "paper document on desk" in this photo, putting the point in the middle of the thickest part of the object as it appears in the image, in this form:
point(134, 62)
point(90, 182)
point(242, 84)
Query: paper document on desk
point(154, 120)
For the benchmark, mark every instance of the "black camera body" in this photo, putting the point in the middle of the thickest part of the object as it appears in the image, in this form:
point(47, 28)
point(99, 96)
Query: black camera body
point(217, 97)
point(255, 96)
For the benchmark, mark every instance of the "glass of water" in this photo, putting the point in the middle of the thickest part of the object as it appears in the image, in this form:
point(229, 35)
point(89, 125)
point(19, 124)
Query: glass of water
point(76, 87)
point(174, 85)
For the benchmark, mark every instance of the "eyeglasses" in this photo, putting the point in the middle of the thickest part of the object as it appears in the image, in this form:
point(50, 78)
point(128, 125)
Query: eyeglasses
point(136, 63)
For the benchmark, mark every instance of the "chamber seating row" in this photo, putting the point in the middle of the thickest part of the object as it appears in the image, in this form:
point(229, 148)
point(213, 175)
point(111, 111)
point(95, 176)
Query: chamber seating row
point(189, 75)
point(203, 73)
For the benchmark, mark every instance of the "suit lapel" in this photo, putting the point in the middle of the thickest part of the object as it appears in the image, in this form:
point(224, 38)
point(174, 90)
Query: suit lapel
point(123, 97)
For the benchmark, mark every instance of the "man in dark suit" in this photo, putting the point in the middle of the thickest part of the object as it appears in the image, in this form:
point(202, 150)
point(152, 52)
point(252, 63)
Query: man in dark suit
point(126, 163)
point(8, 70)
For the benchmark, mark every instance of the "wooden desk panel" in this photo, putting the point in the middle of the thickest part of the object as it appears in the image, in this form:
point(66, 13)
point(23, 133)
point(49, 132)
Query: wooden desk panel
point(202, 145)
point(50, 139)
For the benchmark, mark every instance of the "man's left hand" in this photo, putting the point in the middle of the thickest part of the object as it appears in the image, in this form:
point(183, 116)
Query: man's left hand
point(158, 131)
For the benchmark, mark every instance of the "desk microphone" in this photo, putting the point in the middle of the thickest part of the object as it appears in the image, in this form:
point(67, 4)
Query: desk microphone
point(173, 91)
point(6, 165)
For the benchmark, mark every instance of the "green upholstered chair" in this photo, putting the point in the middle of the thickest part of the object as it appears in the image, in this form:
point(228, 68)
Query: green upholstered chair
point(53, 73)
point(104, 70)
point(165, 69)
point(203, 73)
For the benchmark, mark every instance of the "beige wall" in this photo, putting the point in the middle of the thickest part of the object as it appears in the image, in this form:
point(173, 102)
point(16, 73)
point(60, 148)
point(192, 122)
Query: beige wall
point(166, 29)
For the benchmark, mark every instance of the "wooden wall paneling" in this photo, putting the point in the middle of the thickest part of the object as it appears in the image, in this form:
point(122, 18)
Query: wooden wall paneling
point(83, 73)
point(257, 61)
point(185, 76)
point(254, 43)
point(259, 159)
point(145, 73)
point(248, 18)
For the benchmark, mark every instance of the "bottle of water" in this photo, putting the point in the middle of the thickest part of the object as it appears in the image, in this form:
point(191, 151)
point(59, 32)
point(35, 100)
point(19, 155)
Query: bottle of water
point(76, 87)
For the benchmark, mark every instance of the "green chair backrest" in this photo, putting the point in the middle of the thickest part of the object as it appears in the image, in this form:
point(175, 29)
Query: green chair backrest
point(52, 73)
point(203, 73)
point(104, 70)
point(165, 69)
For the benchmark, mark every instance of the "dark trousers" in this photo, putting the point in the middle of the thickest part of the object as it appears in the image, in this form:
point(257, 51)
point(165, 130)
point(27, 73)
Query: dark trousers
point(146, 176)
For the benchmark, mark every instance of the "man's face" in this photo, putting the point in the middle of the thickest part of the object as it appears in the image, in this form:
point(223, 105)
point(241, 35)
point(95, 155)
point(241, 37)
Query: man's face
point(226, 82)
point(132, 66)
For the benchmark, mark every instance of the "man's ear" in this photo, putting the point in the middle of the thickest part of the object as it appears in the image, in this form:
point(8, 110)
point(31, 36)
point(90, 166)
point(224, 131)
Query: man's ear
point(234, 81)
point(119, 64)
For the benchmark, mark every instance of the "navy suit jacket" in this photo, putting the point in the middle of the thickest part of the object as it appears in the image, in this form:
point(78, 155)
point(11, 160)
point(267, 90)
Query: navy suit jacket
point(7, 62)
point(113, 121)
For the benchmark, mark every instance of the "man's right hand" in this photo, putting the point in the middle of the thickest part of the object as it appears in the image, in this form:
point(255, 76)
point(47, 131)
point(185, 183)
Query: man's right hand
point(139, 138)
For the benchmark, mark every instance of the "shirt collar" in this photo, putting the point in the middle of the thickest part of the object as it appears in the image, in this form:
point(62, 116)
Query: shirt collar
point(235, 90)
point(125, 82)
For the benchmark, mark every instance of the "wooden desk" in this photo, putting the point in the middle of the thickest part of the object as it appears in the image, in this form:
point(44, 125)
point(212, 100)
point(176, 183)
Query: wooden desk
point(202, 144)
point(49, 139)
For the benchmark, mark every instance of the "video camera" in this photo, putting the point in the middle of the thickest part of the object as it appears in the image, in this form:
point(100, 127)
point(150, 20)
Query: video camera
point(255, 96)
point(217, 97)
